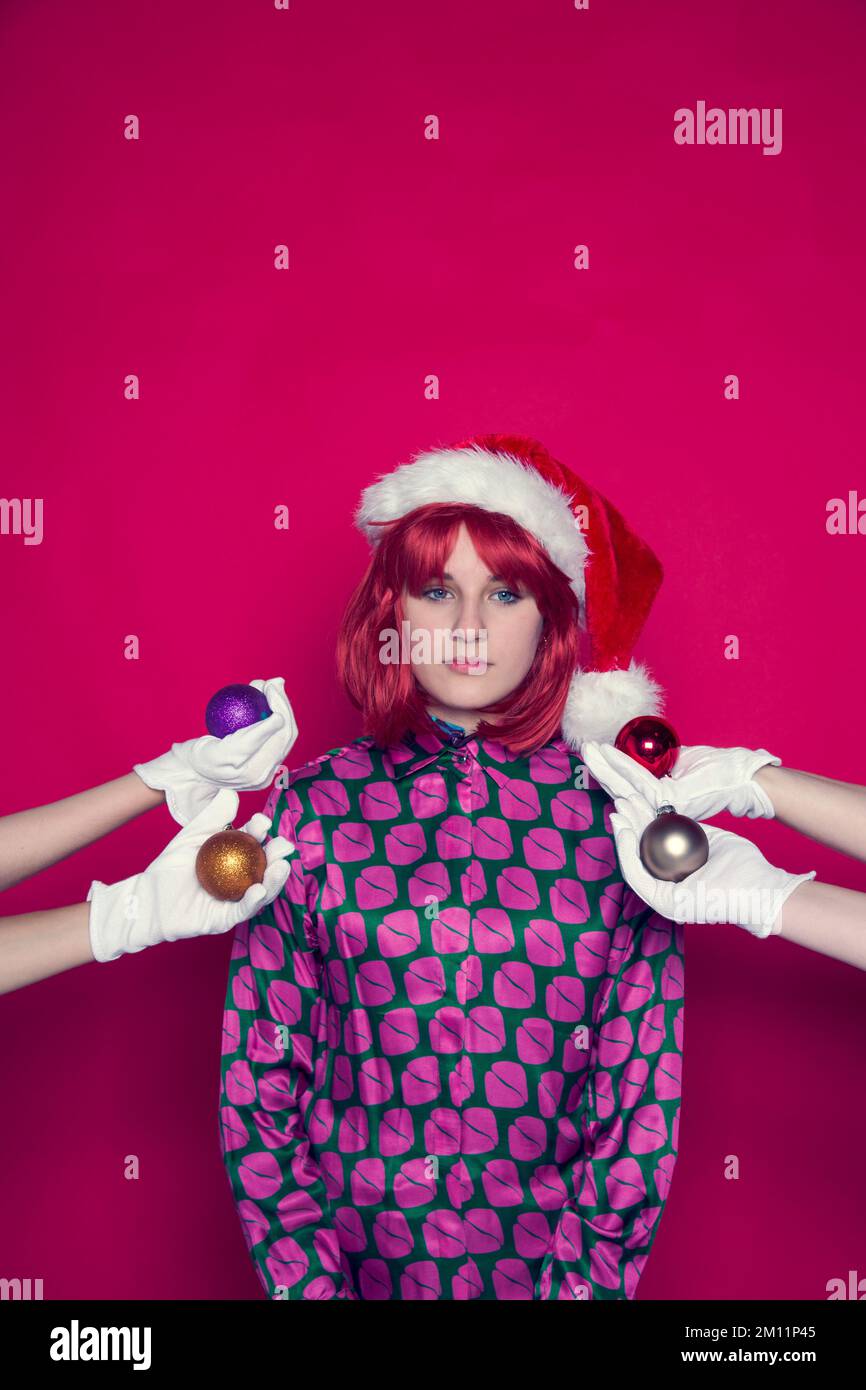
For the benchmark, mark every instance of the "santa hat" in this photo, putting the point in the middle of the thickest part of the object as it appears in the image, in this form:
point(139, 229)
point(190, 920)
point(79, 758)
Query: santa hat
point(613, 573)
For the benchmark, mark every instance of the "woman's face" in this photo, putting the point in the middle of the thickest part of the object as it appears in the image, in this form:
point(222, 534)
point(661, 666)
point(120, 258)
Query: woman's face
point(467, 611)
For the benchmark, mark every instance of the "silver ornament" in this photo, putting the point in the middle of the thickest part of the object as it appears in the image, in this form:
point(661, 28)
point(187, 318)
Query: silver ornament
point(673, 846)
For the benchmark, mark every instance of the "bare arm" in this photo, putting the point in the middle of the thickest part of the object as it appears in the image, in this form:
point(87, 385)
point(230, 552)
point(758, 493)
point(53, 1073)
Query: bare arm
point(833, 813)
point(828, 919)
point(822, 916)
point(32, 840)
point(38, 944)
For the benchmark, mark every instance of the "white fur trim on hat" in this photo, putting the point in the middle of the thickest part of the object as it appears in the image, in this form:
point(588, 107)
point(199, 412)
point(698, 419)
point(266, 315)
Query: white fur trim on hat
point(599, 703)
point(498, 482)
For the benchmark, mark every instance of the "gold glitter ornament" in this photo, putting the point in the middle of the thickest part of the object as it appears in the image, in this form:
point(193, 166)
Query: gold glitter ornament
point(229, 863)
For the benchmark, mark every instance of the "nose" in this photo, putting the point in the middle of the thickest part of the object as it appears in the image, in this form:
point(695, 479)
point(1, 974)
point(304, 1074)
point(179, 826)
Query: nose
point(469, 615)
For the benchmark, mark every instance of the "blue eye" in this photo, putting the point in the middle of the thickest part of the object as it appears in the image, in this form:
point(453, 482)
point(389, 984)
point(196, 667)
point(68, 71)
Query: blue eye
point(431, 593)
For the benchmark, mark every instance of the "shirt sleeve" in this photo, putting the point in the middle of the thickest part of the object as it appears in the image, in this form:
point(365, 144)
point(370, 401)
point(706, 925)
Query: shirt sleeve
point(625, 1129)
point(274, 1026)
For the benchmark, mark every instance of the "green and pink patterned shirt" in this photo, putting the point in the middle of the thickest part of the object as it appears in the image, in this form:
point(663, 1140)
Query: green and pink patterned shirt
point(453, 1044)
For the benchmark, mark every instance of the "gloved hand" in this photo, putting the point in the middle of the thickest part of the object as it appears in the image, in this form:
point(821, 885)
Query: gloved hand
point(737, 884)
point(191, 773)
point(704, 780)
point(166, 901)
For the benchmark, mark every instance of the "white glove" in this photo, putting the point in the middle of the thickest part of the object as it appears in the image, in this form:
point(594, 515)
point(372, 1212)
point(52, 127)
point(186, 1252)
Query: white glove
point(167, 902)
point(737, 884)
point(704, 781)
point(191, 773)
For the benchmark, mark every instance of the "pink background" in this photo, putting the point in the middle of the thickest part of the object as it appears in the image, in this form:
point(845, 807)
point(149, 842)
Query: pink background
point(411, 257)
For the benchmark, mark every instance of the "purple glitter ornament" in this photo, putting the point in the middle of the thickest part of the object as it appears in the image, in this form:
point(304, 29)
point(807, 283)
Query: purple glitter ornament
point(235, 707)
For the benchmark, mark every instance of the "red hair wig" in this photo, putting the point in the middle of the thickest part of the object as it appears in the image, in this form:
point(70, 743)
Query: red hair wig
point(413, 552)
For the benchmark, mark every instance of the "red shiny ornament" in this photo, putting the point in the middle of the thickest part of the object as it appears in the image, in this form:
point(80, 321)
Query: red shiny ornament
point(651, 741)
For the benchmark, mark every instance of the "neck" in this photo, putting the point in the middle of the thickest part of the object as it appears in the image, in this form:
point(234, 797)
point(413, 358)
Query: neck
point(468, 719)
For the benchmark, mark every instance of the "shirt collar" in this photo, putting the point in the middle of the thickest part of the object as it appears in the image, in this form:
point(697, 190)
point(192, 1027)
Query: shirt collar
point(418, 750)
point(453, 734)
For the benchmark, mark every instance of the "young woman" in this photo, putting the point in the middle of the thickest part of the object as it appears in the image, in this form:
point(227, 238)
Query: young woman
point(165, 902)
point(453, 1044)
